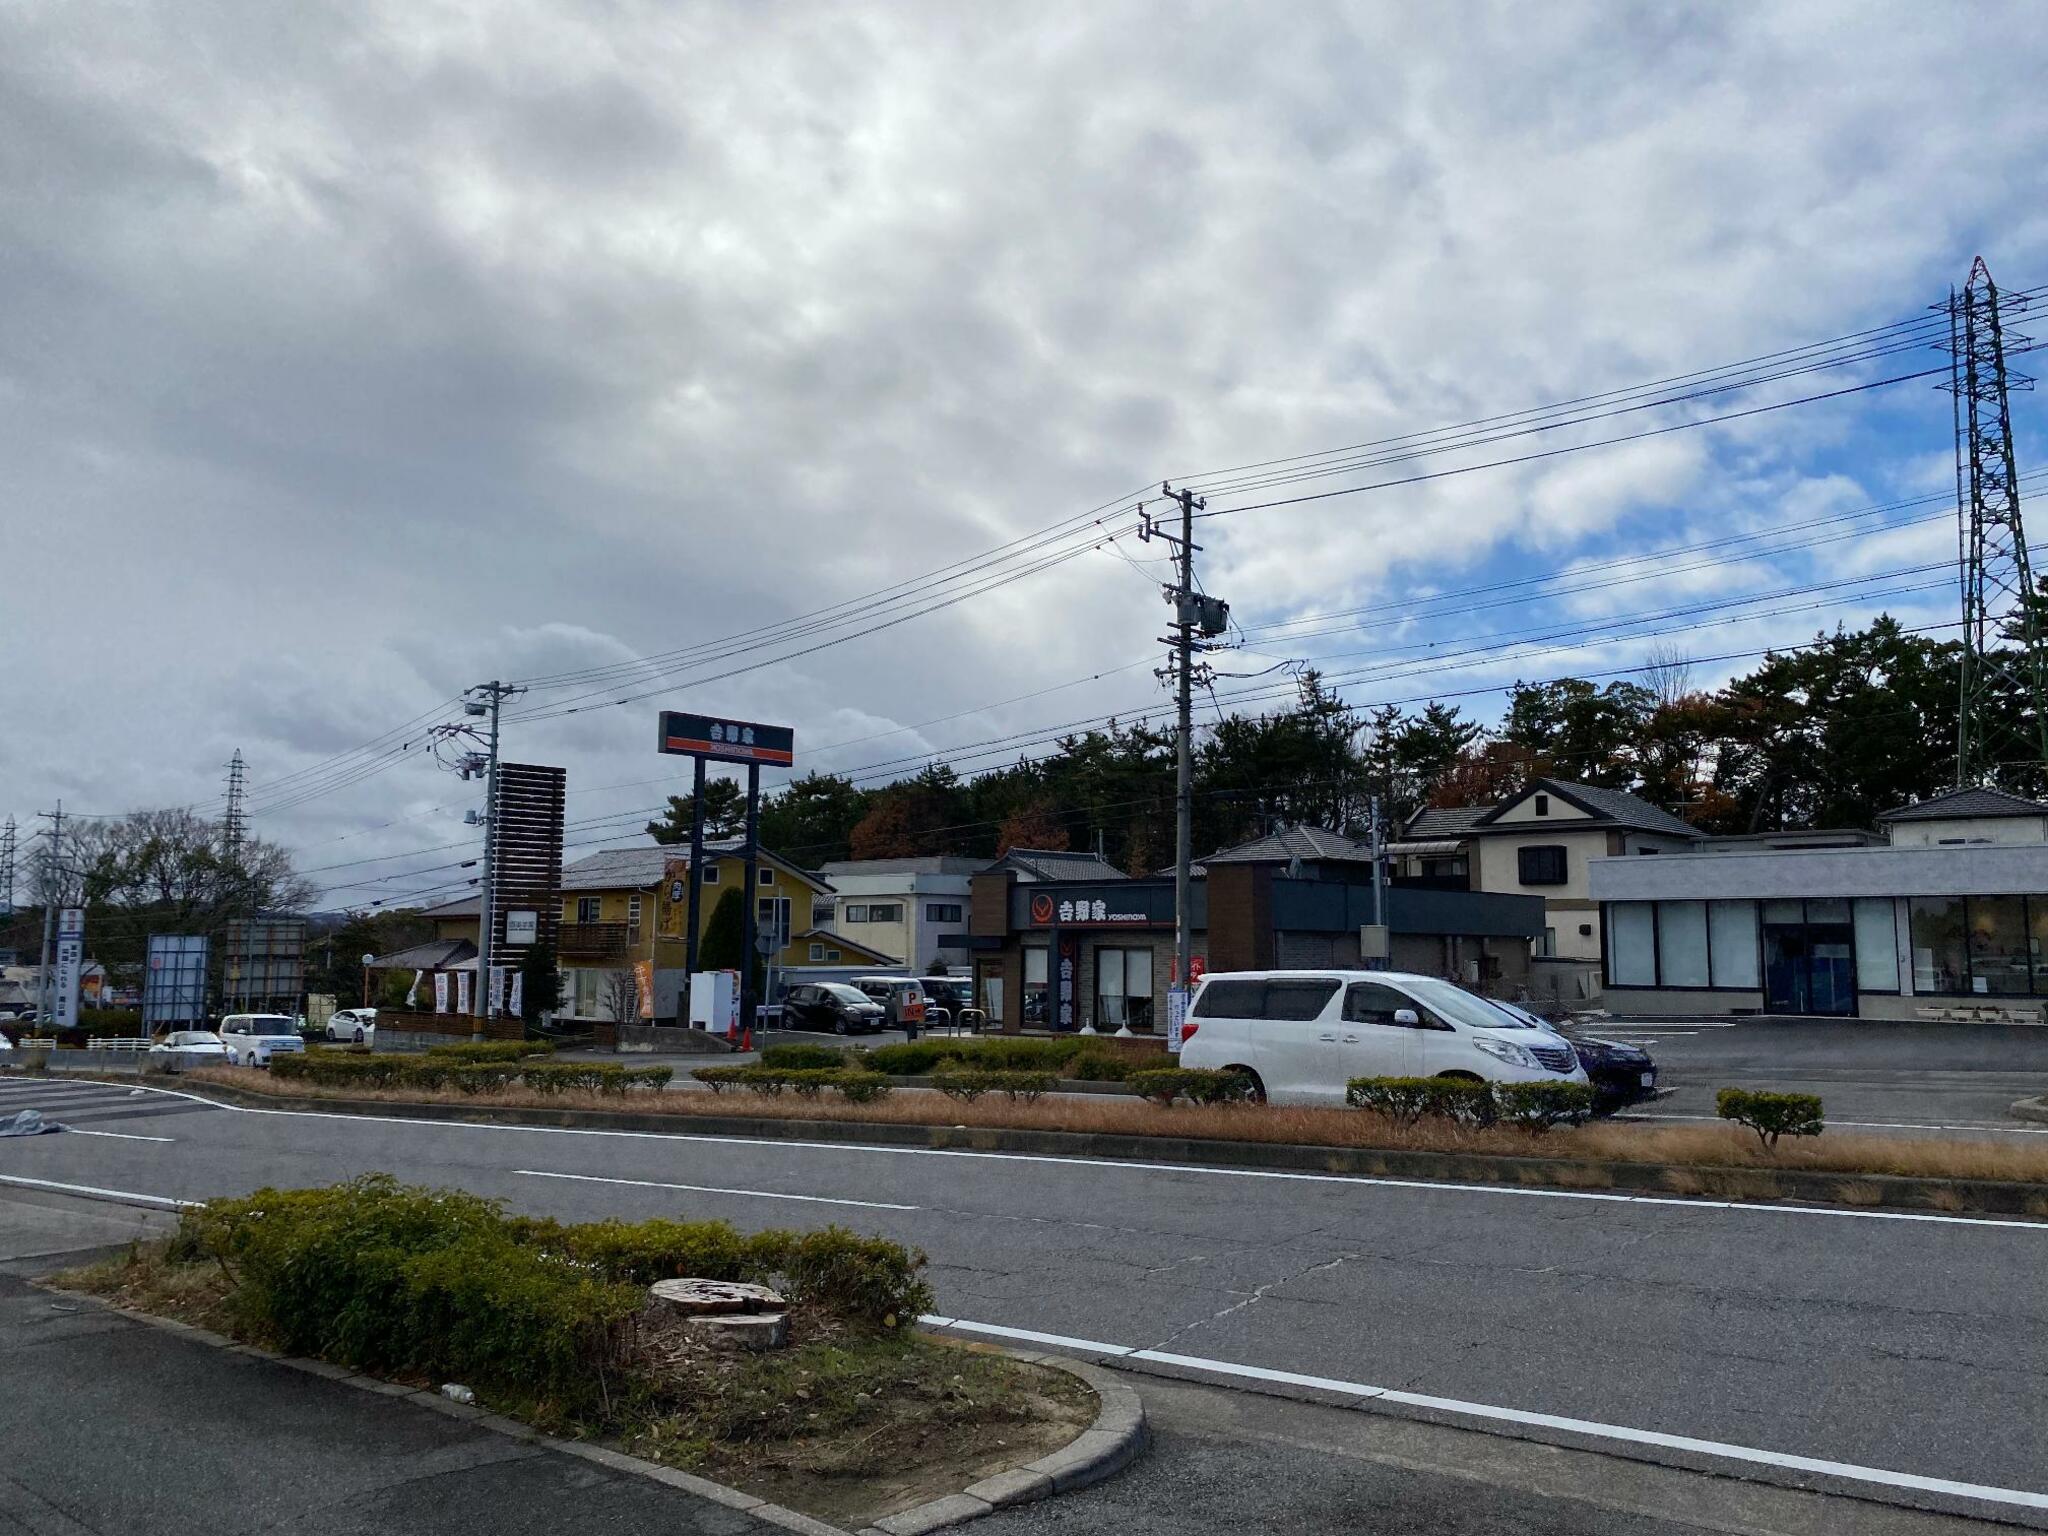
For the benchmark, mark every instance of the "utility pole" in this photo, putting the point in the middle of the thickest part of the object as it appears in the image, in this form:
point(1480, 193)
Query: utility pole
point(1196, 618)
point(1379, 880)
point(53, 873)
point(485, 700)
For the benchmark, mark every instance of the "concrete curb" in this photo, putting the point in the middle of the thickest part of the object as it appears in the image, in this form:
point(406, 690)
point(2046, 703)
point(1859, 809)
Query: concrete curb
point(2031, 1109)
point(1753, 1185)
point(1106, 1447)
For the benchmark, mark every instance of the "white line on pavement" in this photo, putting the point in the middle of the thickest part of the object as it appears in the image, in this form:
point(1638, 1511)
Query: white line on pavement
point(713, 1189)
point(127, 1196)
point(73, 1130)
point(1891, 1125)
point(1358, 1180)
point(1850, 1471)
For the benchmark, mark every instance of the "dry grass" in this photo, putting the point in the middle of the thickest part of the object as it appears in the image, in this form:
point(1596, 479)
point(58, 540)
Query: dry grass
point(1689, 1146)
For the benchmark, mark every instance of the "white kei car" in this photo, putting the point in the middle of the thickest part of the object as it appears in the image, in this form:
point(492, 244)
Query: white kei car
point(253, 1038)
point(353, 1024)
point(184, 1048)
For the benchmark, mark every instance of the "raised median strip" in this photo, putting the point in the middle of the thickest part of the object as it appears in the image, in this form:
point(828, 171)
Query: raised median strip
point(1873, 1194)
point(2032, 1109)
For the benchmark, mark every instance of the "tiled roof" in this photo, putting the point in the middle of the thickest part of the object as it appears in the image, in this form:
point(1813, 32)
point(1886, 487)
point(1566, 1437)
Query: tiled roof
point(1971, 802)
point(436, 955)
point(929, 864)
point(1445, 821)
point(1050, 864)
point(1298, 842)
point(639, 869)
point(1616, 806)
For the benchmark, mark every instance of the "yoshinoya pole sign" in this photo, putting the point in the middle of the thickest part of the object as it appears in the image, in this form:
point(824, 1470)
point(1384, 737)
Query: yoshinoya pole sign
point(727, 741)
point(708, 738)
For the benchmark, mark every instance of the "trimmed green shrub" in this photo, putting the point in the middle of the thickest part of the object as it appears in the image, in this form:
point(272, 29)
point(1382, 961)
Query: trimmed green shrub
point(806, 1082)
point(1100, 1066)
point(1406, 1100)
point(799, 1057)
point(1198, 1085)
point(430, 1074)
point(490, 1050)
point(1540, 1105)
point(718, 1079)
point(971, 1083)
point(863, 1087)
point(914, 1058)
point(111, 1023)
point(1771, 1115)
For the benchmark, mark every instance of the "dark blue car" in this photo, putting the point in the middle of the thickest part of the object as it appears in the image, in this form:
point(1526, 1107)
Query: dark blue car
point(1621, 1074)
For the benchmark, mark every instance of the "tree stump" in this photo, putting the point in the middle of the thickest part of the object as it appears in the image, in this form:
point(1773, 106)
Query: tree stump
point(726, 1314)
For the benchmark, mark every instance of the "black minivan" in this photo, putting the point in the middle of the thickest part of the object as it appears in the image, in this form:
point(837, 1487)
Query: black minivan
point(834, 1006)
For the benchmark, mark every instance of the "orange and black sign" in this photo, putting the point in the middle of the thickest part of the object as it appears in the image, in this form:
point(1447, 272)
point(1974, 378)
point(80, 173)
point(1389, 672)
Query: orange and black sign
point(727, 741)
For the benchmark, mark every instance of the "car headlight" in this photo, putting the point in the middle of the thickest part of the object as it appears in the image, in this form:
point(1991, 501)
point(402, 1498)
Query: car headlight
point(1505, 1050)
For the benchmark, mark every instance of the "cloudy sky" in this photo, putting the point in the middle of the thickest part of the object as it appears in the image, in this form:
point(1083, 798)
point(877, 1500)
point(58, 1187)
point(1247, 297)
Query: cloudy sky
point(353, 354)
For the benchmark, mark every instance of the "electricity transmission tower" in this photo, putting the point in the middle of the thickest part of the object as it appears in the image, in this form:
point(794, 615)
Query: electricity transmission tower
point(2005, 651)
point(234, 826)
point(7, 841)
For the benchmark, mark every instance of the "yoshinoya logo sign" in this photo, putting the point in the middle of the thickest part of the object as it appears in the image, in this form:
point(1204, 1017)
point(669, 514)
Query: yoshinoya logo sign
point(1048, 910)
point(727, 741)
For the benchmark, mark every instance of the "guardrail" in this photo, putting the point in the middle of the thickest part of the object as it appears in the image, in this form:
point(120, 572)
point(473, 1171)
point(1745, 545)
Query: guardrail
point(120, 1043)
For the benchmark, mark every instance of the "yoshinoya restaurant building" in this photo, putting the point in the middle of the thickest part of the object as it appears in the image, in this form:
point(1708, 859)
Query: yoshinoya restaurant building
point(1066, 941)
point(1948, 917)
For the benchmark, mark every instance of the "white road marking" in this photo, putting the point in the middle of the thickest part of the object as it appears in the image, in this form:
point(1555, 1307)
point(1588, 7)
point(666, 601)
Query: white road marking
point(713, 1189)
point(73, 1130)
point(129, 1196)
point(1880, 1476)
point(1362, 1180)
point(1890, 1125)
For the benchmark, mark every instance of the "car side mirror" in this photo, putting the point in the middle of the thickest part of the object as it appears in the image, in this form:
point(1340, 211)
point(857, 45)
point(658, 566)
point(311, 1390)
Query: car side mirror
point(1408, 1017)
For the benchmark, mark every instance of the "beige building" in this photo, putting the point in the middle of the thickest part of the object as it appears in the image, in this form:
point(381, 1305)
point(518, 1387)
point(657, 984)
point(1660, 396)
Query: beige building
point(1541, 842)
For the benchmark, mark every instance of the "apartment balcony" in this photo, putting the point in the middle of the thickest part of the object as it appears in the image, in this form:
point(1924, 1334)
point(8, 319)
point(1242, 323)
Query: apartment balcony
point(598, 941)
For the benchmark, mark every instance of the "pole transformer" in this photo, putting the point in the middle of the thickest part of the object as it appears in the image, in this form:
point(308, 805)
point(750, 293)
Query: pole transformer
point(2002, 714)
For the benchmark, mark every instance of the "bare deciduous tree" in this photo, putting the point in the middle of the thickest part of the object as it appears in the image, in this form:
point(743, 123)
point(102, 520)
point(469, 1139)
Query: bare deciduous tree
point(622, 996)
point(1668, 674)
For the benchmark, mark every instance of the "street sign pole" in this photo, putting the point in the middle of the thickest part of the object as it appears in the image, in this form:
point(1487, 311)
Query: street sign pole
point(696, 894)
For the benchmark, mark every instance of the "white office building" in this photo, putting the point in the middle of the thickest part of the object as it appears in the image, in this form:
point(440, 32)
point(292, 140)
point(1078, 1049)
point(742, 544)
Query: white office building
point(916, 908)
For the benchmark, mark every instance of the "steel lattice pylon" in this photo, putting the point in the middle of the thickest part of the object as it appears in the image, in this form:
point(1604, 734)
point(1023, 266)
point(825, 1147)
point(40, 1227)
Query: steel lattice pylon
point(2005, 652)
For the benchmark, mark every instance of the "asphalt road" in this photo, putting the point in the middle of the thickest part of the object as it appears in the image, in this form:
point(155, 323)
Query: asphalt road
point(1911, 1348)
point(1869, 1075)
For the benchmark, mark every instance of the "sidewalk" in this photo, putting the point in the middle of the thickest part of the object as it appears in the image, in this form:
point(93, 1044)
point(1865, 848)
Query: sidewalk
point(108, 1424)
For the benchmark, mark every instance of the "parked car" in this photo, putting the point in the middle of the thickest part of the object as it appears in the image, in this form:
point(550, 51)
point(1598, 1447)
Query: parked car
point(252, 1039)
point(183, 1048)
point(953, 992)
point(1301, 1036)
point(832, 1005)
point(353, 1024)
point(902, 998)
point(1621, 1074)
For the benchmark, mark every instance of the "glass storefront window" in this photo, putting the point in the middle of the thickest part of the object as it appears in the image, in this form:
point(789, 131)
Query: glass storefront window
point(1732, 927)
point(1828, 910)
point(1682, 943)
point(1877, 946)
point(1034, 987)
point(1631, 944)
point(2037, 911)
point(1123, 988)
point(2000, 965)
point(1941, 959)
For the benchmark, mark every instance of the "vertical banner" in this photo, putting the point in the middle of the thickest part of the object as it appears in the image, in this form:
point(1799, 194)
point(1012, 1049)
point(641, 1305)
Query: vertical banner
point(440, 991)
point(462, 1004)
point(643, 978)
point(497, 1005)
point(1176, 1016)
point(1065, 974)
point(516, 1005)
point(412, 992)
point(70, 961)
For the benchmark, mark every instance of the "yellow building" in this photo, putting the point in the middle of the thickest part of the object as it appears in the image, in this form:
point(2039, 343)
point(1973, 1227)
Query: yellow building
point(625, 913)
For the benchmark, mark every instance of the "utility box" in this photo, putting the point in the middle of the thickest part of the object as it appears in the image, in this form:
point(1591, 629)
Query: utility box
point(1374, 943)
point(715, 1002)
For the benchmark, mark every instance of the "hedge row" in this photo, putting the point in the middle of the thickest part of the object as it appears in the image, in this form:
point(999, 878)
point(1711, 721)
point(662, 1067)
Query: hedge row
point(970, 1083)
point(1075, 1056)
point(491, 1050)
point(1531, 1106)
point(405, 1280)
point(807, 1082)
point(1198, 1085)
point(427, 1074)
point(1771, 1115)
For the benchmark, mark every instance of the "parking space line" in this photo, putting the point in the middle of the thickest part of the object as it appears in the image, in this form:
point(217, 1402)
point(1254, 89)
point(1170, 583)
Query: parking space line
point(93, 1191)
point(1494, 1413)
point(75, 1130)
point(713, 1189)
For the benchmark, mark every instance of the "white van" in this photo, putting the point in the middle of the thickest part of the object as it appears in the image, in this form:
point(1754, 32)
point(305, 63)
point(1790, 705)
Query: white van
point(1302, 1035)
point(253, 1038)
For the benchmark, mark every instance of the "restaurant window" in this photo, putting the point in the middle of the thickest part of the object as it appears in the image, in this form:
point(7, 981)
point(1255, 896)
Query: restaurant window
point(2000, 965)
point(1034, 986)
point(1941, 957)
point(1631, 944)
point(1543, 865)
point(1731, 936)
point(1123, 988)
point(1682, 943)
point(1877, 945)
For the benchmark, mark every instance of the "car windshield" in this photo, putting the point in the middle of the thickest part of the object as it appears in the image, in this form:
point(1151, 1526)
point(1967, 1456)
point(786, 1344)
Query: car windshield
point(1460, 1006)
point(270, 1024)
point(1512, 1017)
point(846, 994)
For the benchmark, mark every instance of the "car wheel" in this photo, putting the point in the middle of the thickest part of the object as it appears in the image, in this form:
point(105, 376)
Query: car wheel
point(839, 1026)
point(359, 1034)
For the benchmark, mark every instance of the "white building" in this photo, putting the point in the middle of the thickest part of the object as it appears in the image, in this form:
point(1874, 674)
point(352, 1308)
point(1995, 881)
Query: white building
point(916, 908)
point(1947, 919)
